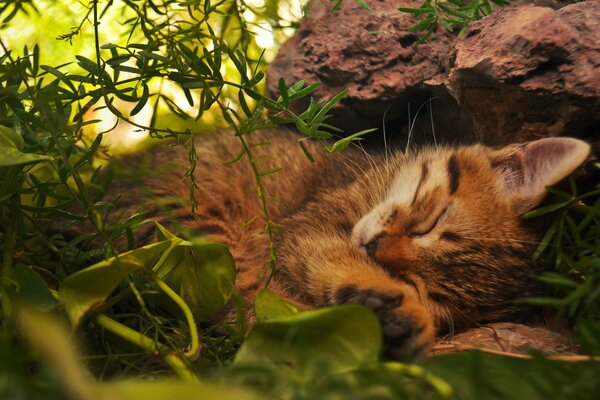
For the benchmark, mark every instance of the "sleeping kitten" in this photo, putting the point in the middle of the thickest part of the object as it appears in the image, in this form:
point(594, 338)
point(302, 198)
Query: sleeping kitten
point(430, 241)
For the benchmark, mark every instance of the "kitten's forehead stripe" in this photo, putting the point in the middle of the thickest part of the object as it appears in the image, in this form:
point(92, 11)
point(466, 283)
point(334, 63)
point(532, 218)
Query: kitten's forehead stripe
point(453, 173)
point(422, 179)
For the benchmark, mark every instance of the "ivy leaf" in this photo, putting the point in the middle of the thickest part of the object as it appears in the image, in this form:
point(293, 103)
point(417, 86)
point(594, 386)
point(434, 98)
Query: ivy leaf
point(270, 306)
point(84, 290)
point(305, 343)
point(33, 289)
point(203, 273)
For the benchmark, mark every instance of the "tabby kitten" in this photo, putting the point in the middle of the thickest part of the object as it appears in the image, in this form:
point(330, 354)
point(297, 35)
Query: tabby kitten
point(430, 240)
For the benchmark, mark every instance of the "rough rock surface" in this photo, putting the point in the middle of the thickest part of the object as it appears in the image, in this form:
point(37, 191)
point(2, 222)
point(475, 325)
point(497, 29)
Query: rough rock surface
point(521, 73)
point(531, 72)
point(370, 53)
point(509, 338)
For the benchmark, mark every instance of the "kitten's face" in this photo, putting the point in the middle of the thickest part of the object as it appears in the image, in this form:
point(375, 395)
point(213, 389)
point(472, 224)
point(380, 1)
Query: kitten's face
point(450, 223)
point(436, 202)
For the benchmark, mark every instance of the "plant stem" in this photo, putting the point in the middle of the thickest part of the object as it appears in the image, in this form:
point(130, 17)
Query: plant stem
point(265, 208)
point(143, 341)
point(194, 350)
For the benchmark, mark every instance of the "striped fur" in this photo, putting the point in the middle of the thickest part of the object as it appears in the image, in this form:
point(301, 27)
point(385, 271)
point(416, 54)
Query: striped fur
point(430, 241)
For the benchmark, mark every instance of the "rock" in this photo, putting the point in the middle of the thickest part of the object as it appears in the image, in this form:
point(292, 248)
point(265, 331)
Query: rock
point(521, 73)
point(370, 53)
point(530, 72)
point(510, 338)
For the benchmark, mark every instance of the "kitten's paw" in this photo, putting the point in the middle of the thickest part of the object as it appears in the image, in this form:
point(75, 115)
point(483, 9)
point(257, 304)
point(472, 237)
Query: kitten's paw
point(408, 328)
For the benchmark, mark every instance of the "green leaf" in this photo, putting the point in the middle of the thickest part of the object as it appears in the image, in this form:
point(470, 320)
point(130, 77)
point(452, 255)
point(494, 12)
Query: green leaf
point(305, 149)
point(270, 306)
point(557, 280)
point(138, 389)
point(143, 100)
point(257, 78)
point(306, 343)
point(546, 210)
point(363, 5)
point(475, 375)
point(548, 236)
point(52, 343)
point(244, 104)
point(88, 65)
point(10, 138)
point(453, 12)
point(118, 60)
point(90, 287)
point(33, 290)
point(11, 156)
point(202, 273)
point(337, 5)
point(325, 109)
point(416, 11)
point(300, 93)
point(343, 143)
point(285, 99)
point(426, 24)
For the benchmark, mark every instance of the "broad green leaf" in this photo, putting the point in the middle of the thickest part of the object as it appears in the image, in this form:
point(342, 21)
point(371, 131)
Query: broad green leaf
point(162, 233)
point(270, 306)
point(335, 339)
point(476, 375)
point(90, 287)
point(33, 290)
point(11, 156)
point(203, 273)
point(138, 389)
point(55, 348)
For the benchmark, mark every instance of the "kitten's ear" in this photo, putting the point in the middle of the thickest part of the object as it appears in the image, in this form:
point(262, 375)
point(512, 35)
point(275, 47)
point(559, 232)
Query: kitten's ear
point(526, 169)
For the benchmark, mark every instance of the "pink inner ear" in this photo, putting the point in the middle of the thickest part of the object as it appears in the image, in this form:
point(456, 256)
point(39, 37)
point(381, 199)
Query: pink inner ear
point(542, 155)
point(547, 161)
point(527, 169)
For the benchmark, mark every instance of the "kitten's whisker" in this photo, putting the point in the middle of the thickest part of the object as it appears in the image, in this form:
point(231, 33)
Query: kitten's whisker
point(431, 120)
point(410, 128)
point(386, 146)
point(377, 167)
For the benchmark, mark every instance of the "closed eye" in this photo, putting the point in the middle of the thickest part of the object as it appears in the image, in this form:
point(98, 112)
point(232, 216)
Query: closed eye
point(428, 226)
